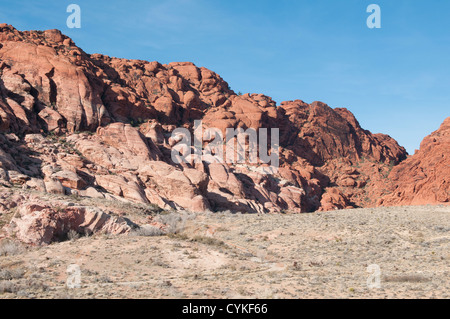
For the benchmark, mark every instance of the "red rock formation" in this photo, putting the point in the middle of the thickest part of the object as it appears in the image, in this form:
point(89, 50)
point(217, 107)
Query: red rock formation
point(423, 178)
point(98, 126)
point(40, 224)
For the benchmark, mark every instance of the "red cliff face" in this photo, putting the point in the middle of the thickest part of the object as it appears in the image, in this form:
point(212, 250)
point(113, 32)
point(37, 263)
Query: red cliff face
point(424, 178)
point(101, 126)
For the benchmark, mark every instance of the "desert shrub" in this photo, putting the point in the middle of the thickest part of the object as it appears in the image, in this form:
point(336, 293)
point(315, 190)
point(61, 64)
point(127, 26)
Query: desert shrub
point(10, 274)
point(34, 284)
point(134, 208)
point(10, 248)
point(72, 235)
point(8, 286)
point(178, 236)
point(208, 241)
point(175, 222)
point(148, 231)
point(103, 279)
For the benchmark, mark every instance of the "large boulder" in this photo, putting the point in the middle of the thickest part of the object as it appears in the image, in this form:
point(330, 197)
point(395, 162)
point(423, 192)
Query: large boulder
point(41, 224)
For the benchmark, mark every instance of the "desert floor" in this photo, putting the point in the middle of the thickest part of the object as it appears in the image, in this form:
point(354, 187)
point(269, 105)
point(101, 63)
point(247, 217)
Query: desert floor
point(224, 255)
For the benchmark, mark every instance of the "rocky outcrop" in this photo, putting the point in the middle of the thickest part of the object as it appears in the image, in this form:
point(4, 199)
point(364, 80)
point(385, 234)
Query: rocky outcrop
point(423, 178)
point(40, 224)
point(90, 125)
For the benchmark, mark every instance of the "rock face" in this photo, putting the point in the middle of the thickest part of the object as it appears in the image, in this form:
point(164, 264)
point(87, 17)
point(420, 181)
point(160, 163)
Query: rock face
point(39, 224)
point(424, 178)
point(96, 126)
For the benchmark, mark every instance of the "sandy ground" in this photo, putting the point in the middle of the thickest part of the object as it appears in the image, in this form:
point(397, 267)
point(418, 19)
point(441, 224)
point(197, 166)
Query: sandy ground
point(321, 255)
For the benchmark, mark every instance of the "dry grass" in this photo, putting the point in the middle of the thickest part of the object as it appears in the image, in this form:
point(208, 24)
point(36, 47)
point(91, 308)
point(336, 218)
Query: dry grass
point(148, 231)
point(175, 222)
point(72, 235)
point(10, 248)
point(208, 241)
point(9, 287)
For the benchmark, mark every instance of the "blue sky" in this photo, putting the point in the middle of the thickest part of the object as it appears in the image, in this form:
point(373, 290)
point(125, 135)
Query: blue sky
point(396, 79)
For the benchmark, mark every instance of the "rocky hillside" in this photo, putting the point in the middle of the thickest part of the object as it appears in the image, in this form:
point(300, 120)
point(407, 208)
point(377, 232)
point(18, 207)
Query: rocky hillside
point(425, 177)
point(95, 126)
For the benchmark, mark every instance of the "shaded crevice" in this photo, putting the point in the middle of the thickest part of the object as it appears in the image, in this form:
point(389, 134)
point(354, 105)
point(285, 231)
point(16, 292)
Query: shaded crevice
point(53, 89)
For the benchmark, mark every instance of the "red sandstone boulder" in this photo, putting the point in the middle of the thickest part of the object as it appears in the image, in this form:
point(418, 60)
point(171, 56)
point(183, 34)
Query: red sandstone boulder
point(184, 189)
point(41, 224)
point(333, 199)
point(70, 179)
point(129, 141)
point(53, 120)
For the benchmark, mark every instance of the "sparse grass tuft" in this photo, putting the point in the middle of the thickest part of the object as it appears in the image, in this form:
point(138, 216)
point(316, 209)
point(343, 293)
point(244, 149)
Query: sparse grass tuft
point(72, 235)
point(208, 241)
point(178, 236)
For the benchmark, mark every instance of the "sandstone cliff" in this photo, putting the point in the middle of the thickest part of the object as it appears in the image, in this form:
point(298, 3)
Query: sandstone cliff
point(97, 126)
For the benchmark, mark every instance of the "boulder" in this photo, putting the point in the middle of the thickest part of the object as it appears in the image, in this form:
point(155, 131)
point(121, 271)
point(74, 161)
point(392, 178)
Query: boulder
point(40, 224)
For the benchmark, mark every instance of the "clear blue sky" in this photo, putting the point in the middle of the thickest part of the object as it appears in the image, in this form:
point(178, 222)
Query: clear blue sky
point(396, 79)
